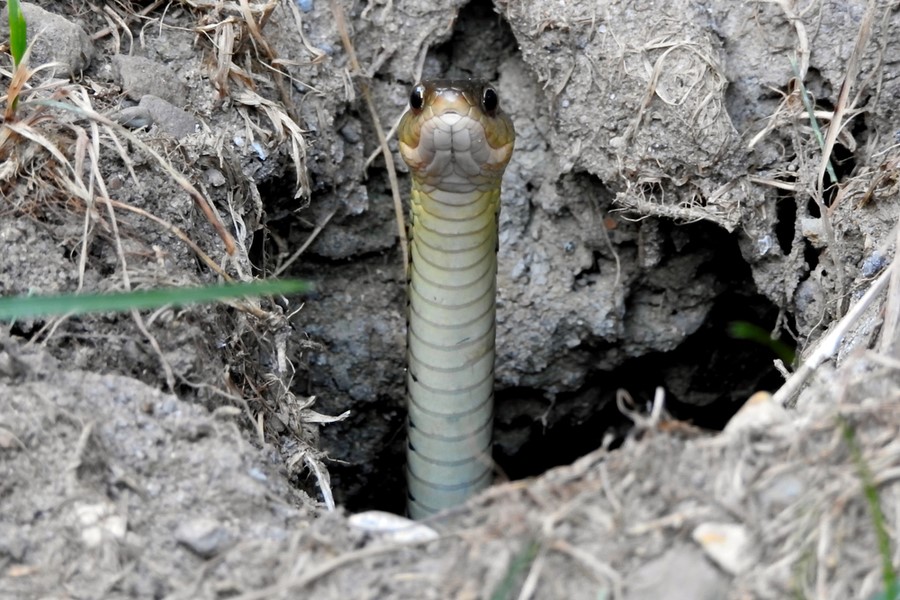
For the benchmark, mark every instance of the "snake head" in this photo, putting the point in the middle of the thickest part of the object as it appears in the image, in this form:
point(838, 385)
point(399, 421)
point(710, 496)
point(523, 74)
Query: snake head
point(455, 136)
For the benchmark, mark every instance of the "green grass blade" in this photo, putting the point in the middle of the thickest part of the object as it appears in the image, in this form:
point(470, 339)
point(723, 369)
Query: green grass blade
point(18, 31)
point(506, 589)
point(742, 330)
point(811, 111)
point(25, 307)
point(870, 489)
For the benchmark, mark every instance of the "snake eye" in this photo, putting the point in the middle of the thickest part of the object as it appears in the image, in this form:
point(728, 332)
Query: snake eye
point(417, 97)
point(489, 100)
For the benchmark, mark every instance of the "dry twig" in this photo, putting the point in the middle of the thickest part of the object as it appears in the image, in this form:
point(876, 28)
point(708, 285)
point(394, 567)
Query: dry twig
point(828, 345)
point(376, 121)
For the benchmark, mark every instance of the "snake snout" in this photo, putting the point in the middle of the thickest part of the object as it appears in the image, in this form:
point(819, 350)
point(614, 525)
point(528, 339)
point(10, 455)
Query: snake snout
point(451, 138)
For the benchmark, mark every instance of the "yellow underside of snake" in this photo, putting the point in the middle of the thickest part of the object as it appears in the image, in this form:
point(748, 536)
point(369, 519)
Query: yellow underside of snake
point(457, 142)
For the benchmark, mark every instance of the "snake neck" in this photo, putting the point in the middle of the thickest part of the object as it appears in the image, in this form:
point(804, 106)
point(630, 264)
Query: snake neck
point(450, 343)
point(453, 199)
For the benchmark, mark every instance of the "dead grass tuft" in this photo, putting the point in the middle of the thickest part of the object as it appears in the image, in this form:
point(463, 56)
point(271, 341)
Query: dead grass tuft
point(243, 56)
point(810, 178)
point(50, 140)
point(683, 82)
point(56, 149)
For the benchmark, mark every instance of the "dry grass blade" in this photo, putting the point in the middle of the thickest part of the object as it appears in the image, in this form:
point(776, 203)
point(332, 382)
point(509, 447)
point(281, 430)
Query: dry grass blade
point(534, 574)
point(229, 36)
point(81, 142)
point(317, 54)
point(93, 149)
point(294, 583)
point(376, 121)
point(601, 571)
point(37, 111)
point(141, 13)
point(285, 128)
point(890, 333)
point(20, 76)
point(224, 38)
point(26, 131)
point(828, 345)
point(232, 8)
point(834, 127)
point(837, 122)
point(309, 240)
point(796, 20)
point(321, 473)
point(176, 231)
point(255, 30)
point(199, 200)
point(118, 23)
point(252, 26)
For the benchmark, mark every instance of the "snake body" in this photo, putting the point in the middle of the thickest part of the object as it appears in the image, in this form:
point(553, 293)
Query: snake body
point(457, 142)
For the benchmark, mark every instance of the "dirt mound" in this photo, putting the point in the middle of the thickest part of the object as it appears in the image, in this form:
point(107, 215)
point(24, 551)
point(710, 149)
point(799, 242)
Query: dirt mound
point(678, 169)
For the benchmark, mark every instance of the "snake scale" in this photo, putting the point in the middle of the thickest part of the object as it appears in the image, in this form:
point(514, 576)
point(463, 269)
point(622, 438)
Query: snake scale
point(457, 143)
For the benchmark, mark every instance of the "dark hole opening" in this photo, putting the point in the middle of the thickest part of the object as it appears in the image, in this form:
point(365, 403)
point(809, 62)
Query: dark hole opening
point(785, 228)
point(811, 256)
point(706, 379)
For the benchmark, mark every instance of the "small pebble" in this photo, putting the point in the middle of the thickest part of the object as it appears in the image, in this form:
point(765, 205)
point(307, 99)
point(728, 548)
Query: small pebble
point(171, 119)
point(204, 537)
point(133, 117)
point(351, 133)
point(727, 544)
point(758, 413)
point(873, 264)
point(390, 527)
point(256, 474)
point(100, 522)
point(261, 153)
point(215, 178)
point(764, 244)
point(8, 439)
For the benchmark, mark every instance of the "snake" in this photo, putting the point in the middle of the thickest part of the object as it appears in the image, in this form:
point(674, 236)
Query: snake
point(457, 142)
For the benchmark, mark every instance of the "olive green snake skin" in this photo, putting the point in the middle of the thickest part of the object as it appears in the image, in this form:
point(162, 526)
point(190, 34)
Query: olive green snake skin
point(457, 142)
